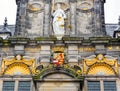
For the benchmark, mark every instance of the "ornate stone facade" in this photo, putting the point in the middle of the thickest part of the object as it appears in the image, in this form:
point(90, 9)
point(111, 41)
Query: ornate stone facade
point(84, 59)
point(84, 18)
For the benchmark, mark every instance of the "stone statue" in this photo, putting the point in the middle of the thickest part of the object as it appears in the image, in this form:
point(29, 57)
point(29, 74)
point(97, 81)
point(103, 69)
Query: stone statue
point(58, 21)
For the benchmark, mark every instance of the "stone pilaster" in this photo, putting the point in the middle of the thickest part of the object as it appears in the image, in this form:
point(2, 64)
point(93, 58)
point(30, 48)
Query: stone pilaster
point(16, 85)
point(72, 20)
point(1, 85)
point(47, 19)
point(101, 85)
point(45, 53)
point(23, 17)
point(17, 27)
point(99, 17)
point(102, 17)
point(118, 84)
point(20, 20)
point(73, 53)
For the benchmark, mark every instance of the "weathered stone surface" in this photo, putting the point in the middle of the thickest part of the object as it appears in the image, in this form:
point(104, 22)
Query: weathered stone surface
point(63, 67)
point(83, 18)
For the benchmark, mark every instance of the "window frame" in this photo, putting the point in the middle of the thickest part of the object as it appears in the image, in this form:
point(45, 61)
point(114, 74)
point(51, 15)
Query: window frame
point(24, 86)
point(92, 84)
point(109, 82)
point(101, 80)
point(16, 79)
point(9, 86)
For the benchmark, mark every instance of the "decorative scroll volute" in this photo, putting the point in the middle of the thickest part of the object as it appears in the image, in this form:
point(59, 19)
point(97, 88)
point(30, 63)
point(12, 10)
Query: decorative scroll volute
point(23, 61)
point(102, 60)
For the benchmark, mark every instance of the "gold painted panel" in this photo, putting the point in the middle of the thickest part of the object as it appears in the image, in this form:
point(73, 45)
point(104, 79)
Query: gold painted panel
point(101, 69)
point(17, 69)
point(58, 48)
point(106, 65)
point(86, 49)
point(113, 48)
point(20, 63)
point(33, 49)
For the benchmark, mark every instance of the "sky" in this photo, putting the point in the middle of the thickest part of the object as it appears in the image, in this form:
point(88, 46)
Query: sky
point(8, 9)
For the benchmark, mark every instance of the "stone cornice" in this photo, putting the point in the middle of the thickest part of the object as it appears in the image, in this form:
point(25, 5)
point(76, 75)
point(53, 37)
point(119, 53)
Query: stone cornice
point(65, 40)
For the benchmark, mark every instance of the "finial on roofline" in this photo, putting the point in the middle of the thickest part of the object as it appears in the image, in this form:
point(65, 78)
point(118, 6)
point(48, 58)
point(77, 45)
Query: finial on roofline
point(5, 22)
point(119, 21)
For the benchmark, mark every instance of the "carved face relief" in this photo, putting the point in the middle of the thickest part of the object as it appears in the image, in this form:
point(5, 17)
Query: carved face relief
point(100, 57)
point(18, 57)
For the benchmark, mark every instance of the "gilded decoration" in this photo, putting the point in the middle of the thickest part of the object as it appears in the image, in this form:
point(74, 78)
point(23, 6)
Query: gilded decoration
point(113, 48)
point(58, 48)
point(58, 55)
point(100, 65)
point(86, 49)
point(58, 58)
point(18, 65)
point(42, 71)
point(17, 69)
point(33, 49)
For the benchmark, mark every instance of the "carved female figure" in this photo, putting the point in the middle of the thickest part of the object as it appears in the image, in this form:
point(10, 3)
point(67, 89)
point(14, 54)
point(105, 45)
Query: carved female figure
point(58, 21)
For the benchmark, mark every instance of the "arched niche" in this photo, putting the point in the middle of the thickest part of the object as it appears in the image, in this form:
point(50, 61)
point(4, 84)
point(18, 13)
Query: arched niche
point(17, 69)
point(55, 78)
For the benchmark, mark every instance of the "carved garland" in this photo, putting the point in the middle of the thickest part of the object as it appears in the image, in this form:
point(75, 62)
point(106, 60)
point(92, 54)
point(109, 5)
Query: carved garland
point(43, 71)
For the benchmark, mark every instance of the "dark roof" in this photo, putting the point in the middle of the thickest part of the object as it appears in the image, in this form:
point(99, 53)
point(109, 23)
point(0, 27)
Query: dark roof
point(10, 27)
point(7, 29)
point(110, 28)
point(115, 32)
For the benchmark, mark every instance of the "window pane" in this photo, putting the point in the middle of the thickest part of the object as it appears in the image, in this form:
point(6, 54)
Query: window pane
point(24, 86)
point(93, 85)
point(109, 86)
point(8, 86)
